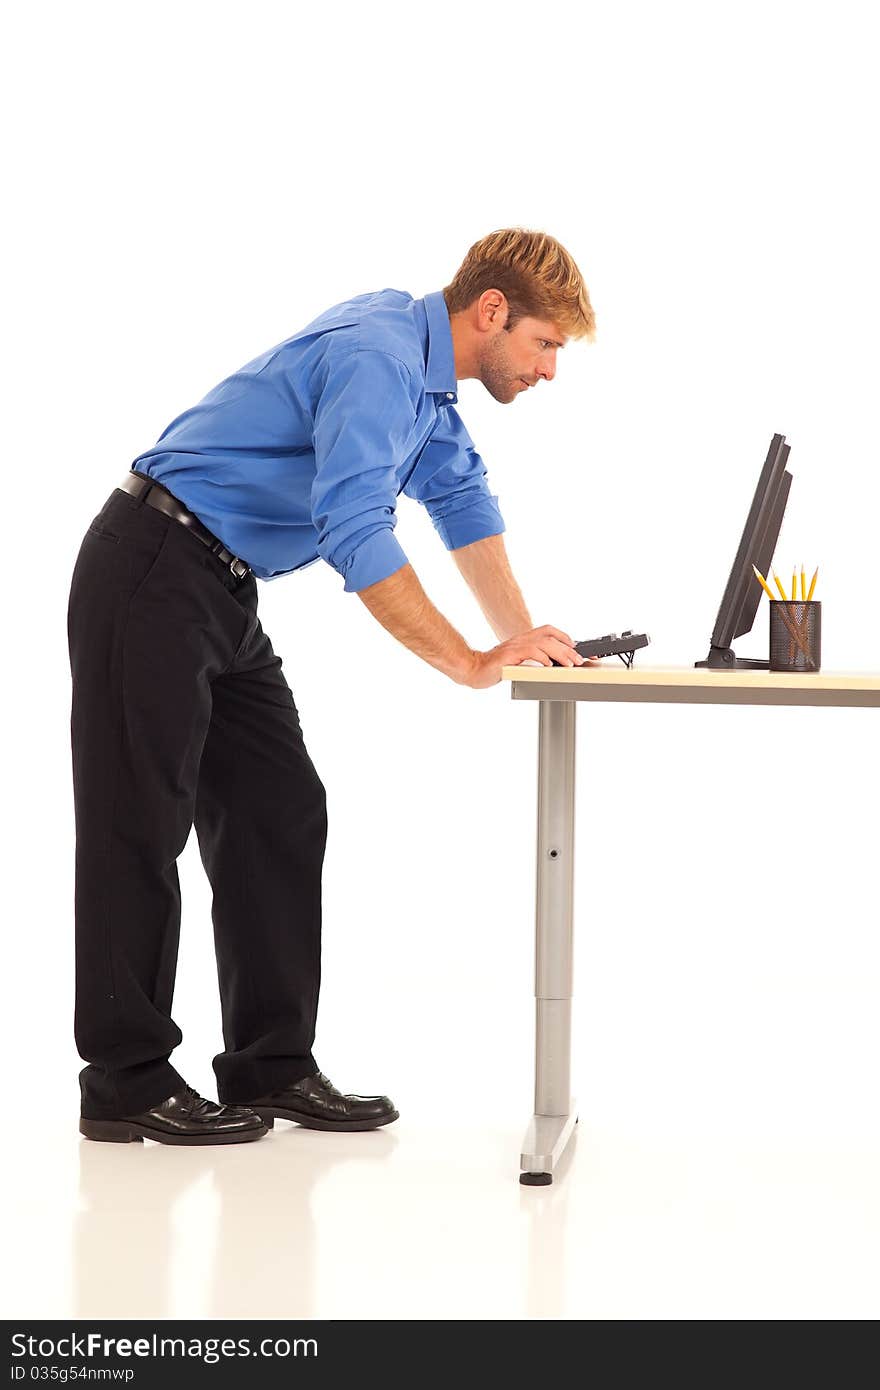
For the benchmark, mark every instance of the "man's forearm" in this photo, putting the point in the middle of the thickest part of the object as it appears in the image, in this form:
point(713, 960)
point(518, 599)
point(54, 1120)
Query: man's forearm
point(486, 569)
point(403, 608)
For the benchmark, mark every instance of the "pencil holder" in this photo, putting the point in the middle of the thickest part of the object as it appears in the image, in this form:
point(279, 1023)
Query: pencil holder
point(795, 636)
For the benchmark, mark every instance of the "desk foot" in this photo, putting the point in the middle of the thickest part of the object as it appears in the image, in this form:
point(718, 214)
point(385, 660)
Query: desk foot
point(544, 1142)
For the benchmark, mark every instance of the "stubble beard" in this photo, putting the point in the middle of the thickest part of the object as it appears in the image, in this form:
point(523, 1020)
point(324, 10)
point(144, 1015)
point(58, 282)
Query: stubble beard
point(495, 373)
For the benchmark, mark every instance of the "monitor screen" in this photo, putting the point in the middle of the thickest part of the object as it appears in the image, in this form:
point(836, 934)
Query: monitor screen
point(742, 594)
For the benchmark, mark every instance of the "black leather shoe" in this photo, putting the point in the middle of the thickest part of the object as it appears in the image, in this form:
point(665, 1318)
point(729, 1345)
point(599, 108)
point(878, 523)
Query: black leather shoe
point(184, 1118)
point(315, 1103)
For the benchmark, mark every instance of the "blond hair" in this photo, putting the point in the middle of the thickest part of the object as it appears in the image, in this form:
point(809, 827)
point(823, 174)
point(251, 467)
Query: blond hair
point(536, 275)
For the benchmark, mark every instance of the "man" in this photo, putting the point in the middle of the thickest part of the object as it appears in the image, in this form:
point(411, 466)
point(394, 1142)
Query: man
point(180, 712)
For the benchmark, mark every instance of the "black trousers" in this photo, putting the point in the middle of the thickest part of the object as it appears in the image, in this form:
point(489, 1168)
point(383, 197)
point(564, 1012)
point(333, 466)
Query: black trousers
point(180, 715)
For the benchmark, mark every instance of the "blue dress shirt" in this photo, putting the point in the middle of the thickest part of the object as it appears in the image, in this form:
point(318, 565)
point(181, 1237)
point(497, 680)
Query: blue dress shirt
point(302, 453)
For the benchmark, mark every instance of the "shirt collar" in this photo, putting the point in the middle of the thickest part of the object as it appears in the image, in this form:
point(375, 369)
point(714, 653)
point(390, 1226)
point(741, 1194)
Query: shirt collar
point(440, 366)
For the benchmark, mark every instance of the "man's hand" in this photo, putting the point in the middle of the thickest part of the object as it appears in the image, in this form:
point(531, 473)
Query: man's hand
point(539, 647)
point(401, 605)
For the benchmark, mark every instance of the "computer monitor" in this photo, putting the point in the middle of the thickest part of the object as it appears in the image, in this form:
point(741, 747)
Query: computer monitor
point(760, 534)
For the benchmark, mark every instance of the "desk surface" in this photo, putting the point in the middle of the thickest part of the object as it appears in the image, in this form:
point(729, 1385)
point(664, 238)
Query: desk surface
point(692, 685)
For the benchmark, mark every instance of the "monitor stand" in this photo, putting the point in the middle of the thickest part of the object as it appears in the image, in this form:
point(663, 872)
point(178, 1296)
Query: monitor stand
point(725, 659)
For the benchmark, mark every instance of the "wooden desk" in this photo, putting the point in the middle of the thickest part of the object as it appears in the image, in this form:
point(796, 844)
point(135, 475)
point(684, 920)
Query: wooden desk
point(558, 690)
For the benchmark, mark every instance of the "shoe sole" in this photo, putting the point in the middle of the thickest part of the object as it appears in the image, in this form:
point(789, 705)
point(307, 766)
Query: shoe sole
point(270, 1115)
point(127, 1132)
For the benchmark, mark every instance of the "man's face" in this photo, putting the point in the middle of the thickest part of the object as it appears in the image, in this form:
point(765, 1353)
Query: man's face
point(512, 362)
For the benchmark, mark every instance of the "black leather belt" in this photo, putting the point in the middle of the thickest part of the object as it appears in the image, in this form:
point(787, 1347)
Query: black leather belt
point(158, 496)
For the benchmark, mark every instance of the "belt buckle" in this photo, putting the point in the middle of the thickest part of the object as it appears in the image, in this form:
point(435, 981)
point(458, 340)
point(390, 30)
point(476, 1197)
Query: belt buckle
point(219, 549)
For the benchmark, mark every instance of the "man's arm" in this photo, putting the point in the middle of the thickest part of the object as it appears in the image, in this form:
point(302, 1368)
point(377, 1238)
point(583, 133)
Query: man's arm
point(487, 571)
point(403, 608)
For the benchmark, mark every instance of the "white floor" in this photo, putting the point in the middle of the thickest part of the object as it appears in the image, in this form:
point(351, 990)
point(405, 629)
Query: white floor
point(428, 1220)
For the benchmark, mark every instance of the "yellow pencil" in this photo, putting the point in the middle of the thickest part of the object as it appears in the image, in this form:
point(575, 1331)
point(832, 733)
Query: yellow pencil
point(803, 584)
point(794, 584)
point(763, 582)
point(812, 584)
point(776, 581)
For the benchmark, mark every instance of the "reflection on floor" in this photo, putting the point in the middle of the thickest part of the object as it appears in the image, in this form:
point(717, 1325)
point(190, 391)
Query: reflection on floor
point(415, 1221)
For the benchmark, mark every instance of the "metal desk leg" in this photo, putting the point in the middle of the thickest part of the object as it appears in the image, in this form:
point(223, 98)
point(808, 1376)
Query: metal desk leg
point(555, 1114)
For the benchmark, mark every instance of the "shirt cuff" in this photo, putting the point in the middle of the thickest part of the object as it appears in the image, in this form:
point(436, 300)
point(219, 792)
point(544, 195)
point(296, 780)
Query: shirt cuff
point(473, 523)
point(379, 556)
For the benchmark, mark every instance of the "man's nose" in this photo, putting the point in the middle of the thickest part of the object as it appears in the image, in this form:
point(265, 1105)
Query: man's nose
point(547, 370)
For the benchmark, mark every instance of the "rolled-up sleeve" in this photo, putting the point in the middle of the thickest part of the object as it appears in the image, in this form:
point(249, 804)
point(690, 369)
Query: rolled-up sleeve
point(362, 422)
point(450, 481)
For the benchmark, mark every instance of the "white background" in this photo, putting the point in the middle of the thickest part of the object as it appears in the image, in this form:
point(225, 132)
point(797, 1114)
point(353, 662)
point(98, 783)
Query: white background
point(186, 185)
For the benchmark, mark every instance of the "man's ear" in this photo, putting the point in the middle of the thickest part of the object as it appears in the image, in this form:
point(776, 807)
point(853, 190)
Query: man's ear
point(496, 308)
